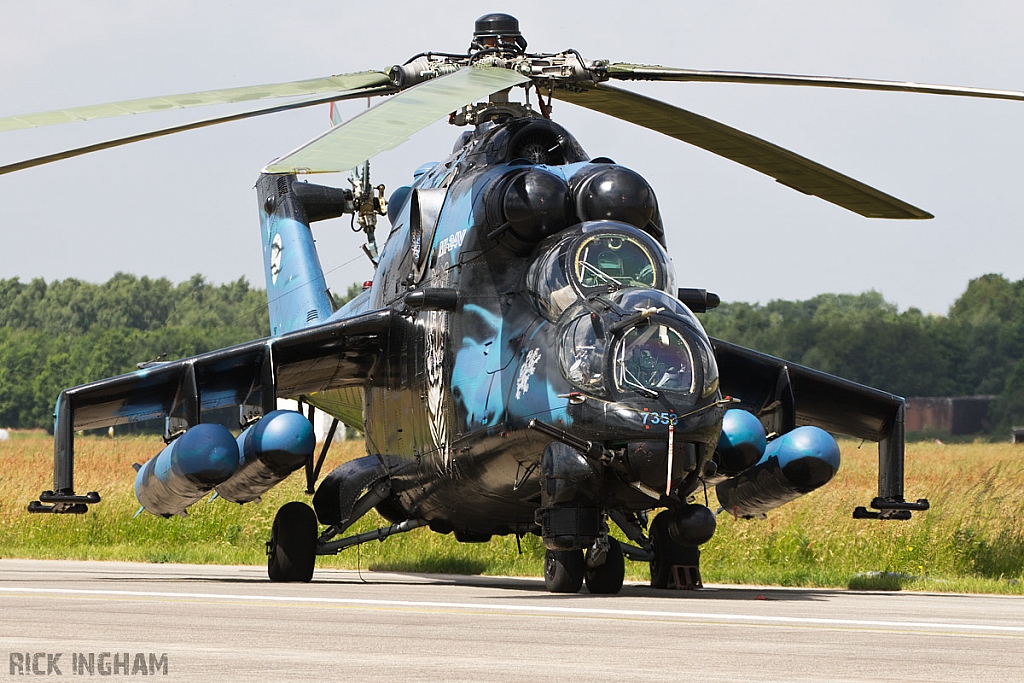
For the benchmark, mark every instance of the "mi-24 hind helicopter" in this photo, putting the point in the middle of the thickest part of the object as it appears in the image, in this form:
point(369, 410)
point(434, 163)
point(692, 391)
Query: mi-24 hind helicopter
point(523, 361)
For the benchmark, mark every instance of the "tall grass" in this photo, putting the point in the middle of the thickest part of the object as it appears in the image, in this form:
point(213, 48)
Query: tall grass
point(972, 538)
point(213, 531)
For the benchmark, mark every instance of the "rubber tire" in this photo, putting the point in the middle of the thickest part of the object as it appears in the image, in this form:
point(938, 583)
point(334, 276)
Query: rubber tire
point(667, 552)
point(563, 571)
point(292, 552)
point(606, 579)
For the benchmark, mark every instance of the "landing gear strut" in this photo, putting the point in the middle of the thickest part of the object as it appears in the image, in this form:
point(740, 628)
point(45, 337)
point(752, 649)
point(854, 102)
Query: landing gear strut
point(605, 578)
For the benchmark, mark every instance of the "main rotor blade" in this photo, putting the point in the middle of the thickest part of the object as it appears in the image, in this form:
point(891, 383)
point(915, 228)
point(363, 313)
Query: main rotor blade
point(79, 151)
point(313, 86)
point(643, 72)
point(391, 122)
point(786, 167)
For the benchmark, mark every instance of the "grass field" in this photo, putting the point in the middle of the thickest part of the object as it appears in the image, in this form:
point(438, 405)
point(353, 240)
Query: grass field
point(972, 539)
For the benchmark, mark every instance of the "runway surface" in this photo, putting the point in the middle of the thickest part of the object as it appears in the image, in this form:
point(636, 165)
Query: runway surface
point(209, 623)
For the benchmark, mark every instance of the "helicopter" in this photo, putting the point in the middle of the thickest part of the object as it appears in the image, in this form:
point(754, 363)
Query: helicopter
point(523, 361)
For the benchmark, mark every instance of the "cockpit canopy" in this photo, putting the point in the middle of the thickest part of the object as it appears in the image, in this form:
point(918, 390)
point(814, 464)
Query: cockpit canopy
point(654, 356)
point(596, 257)
point(611, 289)
point(663, 349)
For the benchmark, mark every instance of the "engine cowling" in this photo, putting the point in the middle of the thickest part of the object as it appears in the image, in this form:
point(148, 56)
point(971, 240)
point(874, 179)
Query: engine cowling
point(612, 192)
point(527, 205)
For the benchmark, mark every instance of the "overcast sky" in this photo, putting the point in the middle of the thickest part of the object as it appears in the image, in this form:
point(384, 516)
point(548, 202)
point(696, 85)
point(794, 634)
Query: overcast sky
point(182, 205)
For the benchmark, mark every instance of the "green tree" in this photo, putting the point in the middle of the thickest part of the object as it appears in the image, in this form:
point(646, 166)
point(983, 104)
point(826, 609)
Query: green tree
point(354, 290)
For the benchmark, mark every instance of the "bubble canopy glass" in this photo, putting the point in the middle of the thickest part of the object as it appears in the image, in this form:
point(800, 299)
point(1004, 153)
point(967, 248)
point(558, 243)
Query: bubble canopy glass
point(596, 257)
point(654, 356)
point(660, 347)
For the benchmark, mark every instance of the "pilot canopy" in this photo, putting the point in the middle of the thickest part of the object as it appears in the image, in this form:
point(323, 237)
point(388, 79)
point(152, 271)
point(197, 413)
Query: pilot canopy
point(593, 258)
point(610, 287)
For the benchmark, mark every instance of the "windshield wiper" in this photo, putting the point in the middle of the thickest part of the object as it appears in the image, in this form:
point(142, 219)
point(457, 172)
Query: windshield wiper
point(636, 384)
point(633, 318)
point(601, 275)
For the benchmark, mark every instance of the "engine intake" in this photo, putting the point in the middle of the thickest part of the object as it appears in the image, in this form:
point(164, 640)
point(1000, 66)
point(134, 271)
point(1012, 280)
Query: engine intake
point(527, 205)
point(612, 192)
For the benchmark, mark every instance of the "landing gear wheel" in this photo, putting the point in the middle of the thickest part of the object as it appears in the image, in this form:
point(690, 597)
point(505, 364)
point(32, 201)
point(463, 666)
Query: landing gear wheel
point(606, 578)
point(667, 553)
point(563, 571)
point(291, 552)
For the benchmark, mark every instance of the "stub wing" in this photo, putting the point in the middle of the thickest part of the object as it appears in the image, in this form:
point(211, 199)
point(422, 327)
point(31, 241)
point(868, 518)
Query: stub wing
point(252, 375)
point(785, 395)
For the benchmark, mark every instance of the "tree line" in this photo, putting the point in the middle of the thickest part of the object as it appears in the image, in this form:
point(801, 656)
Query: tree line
point(68, 332)
point(976, 348)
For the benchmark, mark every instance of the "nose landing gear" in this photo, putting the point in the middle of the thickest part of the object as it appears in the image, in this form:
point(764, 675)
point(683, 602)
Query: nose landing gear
point(603, 568)
point(563, 571)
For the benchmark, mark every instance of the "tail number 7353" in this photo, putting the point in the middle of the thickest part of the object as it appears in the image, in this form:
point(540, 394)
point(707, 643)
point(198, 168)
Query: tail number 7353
point(659, 418)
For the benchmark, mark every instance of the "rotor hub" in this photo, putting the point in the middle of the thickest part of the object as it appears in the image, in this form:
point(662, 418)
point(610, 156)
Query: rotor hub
point(497, 30)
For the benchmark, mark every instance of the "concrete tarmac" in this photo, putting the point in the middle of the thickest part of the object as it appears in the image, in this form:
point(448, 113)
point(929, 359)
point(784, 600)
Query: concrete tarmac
point(211, 623)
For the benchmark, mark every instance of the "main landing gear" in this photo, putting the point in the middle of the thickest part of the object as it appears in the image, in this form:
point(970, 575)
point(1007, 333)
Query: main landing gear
point(345, 495)
point(291, 551)
point(672, 565)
